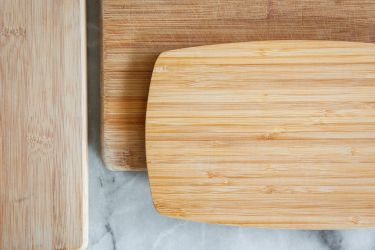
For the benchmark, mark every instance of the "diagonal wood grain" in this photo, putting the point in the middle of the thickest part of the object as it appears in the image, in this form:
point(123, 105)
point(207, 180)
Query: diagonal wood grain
point(272, 134)
point(135, 32)
point(43, 171)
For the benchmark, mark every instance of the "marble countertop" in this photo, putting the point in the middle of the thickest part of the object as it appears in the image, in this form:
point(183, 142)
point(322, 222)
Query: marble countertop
point(122, 215)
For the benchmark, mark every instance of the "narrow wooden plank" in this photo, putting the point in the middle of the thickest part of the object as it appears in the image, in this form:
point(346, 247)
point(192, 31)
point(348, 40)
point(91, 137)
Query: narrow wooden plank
point(135, 32)
point(264, 134)
point(43, 165)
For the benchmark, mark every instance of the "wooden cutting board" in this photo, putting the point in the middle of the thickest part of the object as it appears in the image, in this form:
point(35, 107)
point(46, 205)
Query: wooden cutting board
point(43, 172)
point(271, 134)
point(135, 32)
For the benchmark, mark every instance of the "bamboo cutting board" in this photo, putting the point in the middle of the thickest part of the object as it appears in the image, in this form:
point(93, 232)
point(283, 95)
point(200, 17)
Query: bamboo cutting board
point(271, 134)
point(135, 32)
point(43, 172)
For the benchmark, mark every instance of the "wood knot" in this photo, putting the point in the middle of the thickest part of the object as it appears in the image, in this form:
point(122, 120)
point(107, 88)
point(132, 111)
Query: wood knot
point(40, 141)
point(13, 31)
point(212, 174)
point(355, 220)
point(160, 69)
point(269, 190)
point(269, 136)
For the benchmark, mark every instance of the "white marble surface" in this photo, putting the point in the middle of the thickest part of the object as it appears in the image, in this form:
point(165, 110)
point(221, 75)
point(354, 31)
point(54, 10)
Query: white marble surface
point(122, 215)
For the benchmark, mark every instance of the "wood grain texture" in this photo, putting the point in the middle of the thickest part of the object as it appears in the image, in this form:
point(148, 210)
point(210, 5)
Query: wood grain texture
point(135, 32)
point(43, 171)
point(271, 134)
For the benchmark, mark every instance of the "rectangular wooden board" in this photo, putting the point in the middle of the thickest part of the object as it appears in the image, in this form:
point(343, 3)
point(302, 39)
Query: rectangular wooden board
point(276, 134)
point(135, 32)
point(43, 165)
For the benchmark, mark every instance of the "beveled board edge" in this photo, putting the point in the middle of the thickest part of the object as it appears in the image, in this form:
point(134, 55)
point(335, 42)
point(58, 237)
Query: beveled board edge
point(85, 206)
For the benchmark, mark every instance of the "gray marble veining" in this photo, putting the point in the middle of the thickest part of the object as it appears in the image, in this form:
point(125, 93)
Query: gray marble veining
point(122, 215)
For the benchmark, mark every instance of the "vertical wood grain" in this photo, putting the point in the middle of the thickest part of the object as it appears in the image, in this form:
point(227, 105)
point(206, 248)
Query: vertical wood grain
point(43, 171)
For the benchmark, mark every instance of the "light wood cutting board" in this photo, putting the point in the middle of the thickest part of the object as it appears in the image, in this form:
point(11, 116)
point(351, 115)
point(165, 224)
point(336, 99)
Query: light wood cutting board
point(43, 172)
point(271, 134)
point(135, 32)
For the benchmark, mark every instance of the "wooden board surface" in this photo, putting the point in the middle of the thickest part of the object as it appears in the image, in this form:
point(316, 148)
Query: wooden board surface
point(272, 134)
point(135, 32)
point(43, 172)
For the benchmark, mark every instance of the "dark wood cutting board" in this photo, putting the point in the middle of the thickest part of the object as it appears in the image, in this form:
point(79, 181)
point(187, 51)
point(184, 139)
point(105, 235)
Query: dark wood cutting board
point(135, 32)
